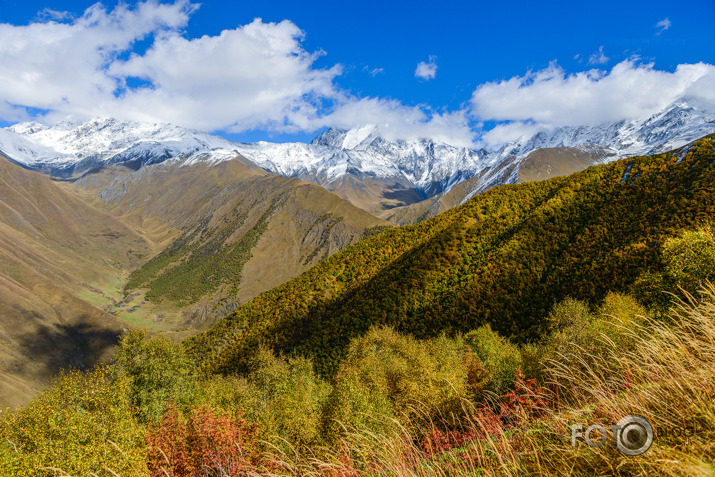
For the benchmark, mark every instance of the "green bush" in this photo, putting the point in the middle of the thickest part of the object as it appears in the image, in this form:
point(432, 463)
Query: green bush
point(501, 358)
point(690, 259)
point(159, 372)
point(619, 319)
point(582, 339)
point(388, 375)
point(688, 262)
point(283, 396)
point(83, 425)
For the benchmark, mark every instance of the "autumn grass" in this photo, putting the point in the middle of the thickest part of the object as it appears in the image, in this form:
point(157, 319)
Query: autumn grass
point(667, 375)
point(662, 369)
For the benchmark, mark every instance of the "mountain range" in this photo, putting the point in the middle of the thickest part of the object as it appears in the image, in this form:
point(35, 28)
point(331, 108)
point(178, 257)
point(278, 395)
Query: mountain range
point(402, 181)
point(106, 224)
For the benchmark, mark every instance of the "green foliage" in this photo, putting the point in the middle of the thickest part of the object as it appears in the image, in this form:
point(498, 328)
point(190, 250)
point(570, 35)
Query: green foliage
point(690, 258)
point(370, 232)
point(621, 319)
point(501, 359)
point(688, 262)
point(504, 258)
point(158, 372)
point(284, 396)
point(83, 424)
point(580, 338)
point(388, 375)
point(200, 261)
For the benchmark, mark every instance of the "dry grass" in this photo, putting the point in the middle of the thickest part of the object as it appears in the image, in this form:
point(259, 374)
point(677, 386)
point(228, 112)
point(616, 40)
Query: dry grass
point(668, 376)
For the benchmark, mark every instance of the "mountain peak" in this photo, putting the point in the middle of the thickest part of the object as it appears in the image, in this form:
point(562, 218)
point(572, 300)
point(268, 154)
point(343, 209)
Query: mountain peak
point(355, 138)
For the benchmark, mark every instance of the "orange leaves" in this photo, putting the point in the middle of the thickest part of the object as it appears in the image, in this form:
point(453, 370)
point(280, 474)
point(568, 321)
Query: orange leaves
point(207, 443)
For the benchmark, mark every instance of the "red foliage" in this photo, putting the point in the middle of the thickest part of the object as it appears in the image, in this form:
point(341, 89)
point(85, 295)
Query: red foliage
point(207, 443)
point(527, 401)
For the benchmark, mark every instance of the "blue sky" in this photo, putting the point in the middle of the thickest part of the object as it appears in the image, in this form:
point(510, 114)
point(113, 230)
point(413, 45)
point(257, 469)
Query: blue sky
point(306, 66)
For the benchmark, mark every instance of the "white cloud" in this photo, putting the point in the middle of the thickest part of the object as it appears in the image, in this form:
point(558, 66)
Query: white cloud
point(550, 97)
point(61, 67)
point(598, 58)
point(49, 14)
point(373, 71)
point(662, 25)
point(427, 70)
point(397, 121)
point(256, 76)
point(250, 77)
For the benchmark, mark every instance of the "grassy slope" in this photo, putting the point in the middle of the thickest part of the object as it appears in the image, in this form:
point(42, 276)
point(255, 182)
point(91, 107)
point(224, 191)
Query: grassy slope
point(59, 257)
point(503, 258)
point(540, 164)
point(231, 231)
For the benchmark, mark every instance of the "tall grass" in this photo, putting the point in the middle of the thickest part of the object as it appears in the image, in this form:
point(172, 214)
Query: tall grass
point(662, 369)
point(666, 374)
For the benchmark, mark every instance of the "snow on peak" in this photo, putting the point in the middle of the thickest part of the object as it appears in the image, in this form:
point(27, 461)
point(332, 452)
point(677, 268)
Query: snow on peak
point(69, 143)
point(428, 165)
point(358, 136)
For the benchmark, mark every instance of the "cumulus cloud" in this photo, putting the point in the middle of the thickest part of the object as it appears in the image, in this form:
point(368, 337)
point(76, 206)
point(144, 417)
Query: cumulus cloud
point(427, 70)
point(397, 121)
point(598, 58)
point(551, 97)
point(662, 25)
point(256, 76)
point(62, 67)
point(250, 77)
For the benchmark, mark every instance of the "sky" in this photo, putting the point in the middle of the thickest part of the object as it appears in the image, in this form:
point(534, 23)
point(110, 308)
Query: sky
point(468, 73)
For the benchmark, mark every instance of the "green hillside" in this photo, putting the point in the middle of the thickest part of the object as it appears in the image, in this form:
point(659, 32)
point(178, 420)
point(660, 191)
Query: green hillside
point(229, 230)
point(504, 258)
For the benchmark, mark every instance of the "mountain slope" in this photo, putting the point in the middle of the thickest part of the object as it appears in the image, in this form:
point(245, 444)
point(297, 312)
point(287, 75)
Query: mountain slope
point(503, 258)
point(59, 257)
point(378, 175)
point(234, 230)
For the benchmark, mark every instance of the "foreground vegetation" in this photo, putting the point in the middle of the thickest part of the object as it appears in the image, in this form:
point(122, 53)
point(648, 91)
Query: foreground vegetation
point(472, 404)
point(468, 345)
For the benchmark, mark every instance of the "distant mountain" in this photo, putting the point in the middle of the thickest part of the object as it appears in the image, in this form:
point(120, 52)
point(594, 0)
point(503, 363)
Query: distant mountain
point(368, 170)
point(565, 150)
point(72, 148)
point(503, 258)
point(399, 180)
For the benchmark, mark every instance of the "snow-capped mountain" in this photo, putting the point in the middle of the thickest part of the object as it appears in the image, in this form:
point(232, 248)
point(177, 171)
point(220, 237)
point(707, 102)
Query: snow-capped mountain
point(391, 173)
point(428, 166)
point(70, 147)
point(683, 121)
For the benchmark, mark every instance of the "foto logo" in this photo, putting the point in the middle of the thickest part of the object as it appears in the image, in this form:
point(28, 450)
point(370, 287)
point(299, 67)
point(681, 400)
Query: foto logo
point(632, 436)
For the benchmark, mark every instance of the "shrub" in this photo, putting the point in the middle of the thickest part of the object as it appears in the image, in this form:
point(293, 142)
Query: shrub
point(159, 372)
point(690, 259)
point(501, 358)
point(83, 424)
point(208, 442)
point(283, 396)
point(388, 375)
point(291, 394)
